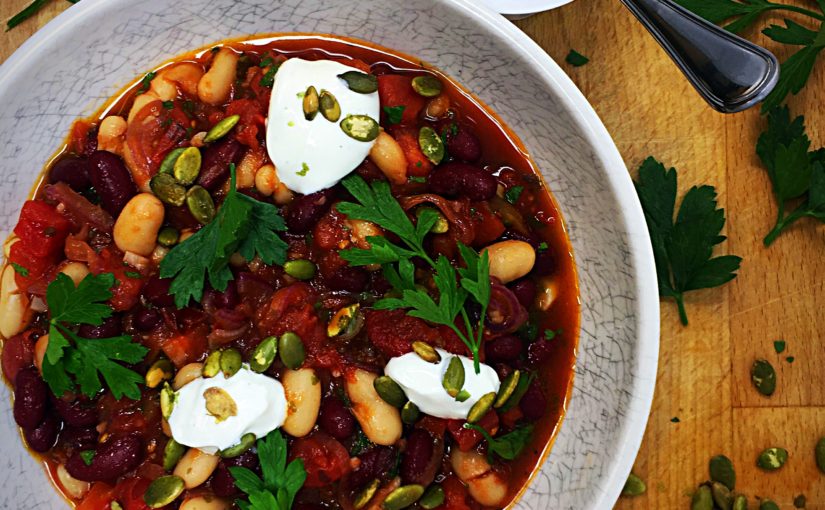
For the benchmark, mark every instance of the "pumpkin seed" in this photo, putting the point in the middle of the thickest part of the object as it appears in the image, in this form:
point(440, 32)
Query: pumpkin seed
point(310, 103)
point(453, 379)
point(764, 377)
point(427, 85)
point(212, 365)
point(772, 459)
point(402, 497)
point(221, 129)
point(740, 502)
point(721, 495)
point(188, 166)
point(410, 413)
point(366, 495)
point(362, 83)
point(389, 391)
point(114, 505)
point(462, 396)
point(172, 454)
point(360, 127)
point(433, 498)
point(300, 269)
point(161, 370)
point(247, 442)
point(291, 350)
point(167, 189)
point(721, 470)
point(329, 106)
point(702, 499)
point(432, 146)
point(634, 486)
point(168, 398)
point(168, 236)
point(200, 204)
point(508, 386)
point(800, 501)
point(481, 407)
point(767, 504)
point(231, 362)
point(819, 454)
point(342, 320)
point(163, 491)
point(168, 162)
point(263, 355)
point(441, 224)
point(426, 351)
point(220, 404)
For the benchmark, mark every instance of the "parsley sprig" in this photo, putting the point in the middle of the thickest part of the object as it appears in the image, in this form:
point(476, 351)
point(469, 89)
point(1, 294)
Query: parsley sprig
point(72, 360)
point(281, 481)
point(455, 287)
point(683, 249)
point(506, 446)
point(242, 225)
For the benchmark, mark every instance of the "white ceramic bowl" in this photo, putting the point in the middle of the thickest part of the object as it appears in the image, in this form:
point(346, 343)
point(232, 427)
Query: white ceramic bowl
point(516, 9)
point(86, 54)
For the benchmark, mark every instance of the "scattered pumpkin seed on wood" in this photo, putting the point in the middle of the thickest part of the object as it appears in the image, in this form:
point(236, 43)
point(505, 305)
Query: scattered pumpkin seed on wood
point(767, 504)
point(721, 496)
point(819, 453)
point(800, 501)
point(772, 459)
point(721, 470)
point(764, 377)
point(634, 486)
point(740, 502)
point(702, 499)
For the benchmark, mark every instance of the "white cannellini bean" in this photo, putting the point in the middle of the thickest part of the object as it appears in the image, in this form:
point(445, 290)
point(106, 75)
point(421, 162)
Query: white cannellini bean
point(15, 314)
point(388, 156)
point(511, 259)
point(74, 488)
point(483, 484)
point(139, 102)
point(380, 421)
point(77, 271)
point(268, 184)
point(248, 167)
point(215, 86)
point(303, 396)
point(206, 503)
point(195, 467)
point(184, 75)
point(111, 133)
point(548, 291)
point(158, 254)
point(187, 374)
point(136, 229)
point(40, 351)
point(360, 230)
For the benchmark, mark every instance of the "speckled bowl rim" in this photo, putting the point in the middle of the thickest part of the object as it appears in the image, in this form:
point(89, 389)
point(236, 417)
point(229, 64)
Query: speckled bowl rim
point(526, 7)
point(587, 121)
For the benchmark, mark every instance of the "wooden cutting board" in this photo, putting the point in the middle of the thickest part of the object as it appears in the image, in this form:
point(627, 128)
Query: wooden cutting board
point(704, 378)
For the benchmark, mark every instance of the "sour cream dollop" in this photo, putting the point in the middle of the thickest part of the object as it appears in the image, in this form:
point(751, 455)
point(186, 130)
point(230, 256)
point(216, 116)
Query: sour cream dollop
point(311, 155)
point(261, 408)
point(421, 381)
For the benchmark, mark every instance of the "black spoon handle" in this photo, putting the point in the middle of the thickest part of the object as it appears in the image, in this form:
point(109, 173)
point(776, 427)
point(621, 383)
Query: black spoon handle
point(730, 73)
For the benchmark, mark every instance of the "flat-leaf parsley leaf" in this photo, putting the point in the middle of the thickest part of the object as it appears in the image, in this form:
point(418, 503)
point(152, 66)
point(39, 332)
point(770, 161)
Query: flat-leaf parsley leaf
point(280, 481)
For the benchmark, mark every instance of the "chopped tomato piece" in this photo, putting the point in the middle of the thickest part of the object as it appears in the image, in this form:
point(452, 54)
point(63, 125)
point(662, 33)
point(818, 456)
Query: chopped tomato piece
point(130, 492)
point(396, 90)
point(417, 164)
point(18, 353)
point(325, 459)
point(433, 425)
point(42, 229)
point(99, 497)
point(185, 347)
point(253, 119)
point(488, 226)
point(468, 439)
point(455, 494)
point(128, 282)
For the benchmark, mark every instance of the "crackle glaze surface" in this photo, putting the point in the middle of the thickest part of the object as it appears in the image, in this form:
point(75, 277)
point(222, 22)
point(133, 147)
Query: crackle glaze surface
point(83, 57)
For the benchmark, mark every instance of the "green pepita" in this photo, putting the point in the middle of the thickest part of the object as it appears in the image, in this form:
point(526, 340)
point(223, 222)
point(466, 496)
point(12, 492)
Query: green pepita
point(247, 442)
point(291, 350)
point(360, 127)
point(168, 163)
point(767, 504)
point(721, 496)
point(200, 204)
point(410, 413)
point(366, 495)
point(481, 407)
point(231, 362)
point(300, 269)
point(721, 470)
point(463, 395)
point(212, 365)
point(433, 497)
point(389, 391)
point(508, 386)
point(221, 129)
point(402, 497)
point(362, 83)
point(162, 491)
point(764, 377)
point(702, 499)
point(310, 103)
point(634, 486)
point(427, 85)
point(172, 454)
point(819, 454)
point(263, 355)
point(188, 166)
point(432, 146)
point(453, 379)
point(220, 404)
point(167, 189)
point(168, 236)
point(114, 505)
point(426, 351)
point(441, 224)
point(344, 321)
point(740, 502)
point(161, 370)
point(772, 459)
point(329, 106)
point(168, 397)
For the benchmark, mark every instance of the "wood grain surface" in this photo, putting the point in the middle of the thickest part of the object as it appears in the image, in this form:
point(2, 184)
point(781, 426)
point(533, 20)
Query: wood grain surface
point(704, 378)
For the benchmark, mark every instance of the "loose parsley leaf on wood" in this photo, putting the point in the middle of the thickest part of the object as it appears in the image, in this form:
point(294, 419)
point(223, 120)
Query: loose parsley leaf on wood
point(683, 248)
point(576, 59)
point(280, 481)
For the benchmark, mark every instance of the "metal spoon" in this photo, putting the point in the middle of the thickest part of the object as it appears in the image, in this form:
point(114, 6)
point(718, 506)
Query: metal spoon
point(730, 73)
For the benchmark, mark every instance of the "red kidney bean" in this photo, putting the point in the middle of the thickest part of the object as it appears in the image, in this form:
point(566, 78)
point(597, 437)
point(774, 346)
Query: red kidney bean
point(112, 459)
point(77, 413)
point(111, 180)
point(31, 396)
point(216, 160)
point(539, 351)
point(156, 291)
point(335, 419)
point(73, 171)
point(222, 482)
point(348, 278)
point(533, 404)
point(460, 179)
point(228, 319)
point(464, 146)
point(305, 211)
point(109, 328)
point(503, 349)
point(545, 263)
point(525, 291)
point(42, 438)
point(79, 438)
point(416, 457)
point(147, 319)
point(376, 462)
